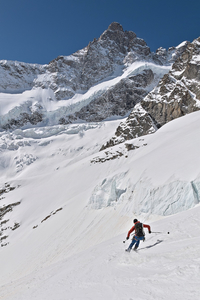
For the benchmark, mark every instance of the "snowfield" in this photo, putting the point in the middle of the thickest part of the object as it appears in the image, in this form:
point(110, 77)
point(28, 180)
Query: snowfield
point(66, 209)
point(165, 266)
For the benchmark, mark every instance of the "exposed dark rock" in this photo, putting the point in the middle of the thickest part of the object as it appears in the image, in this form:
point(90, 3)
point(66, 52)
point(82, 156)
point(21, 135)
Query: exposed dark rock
point(7, 208)
point(16, 225)
point(118, 100)
point(24, 118)
point(138, 123)
point(6, 189)
point(178, 93)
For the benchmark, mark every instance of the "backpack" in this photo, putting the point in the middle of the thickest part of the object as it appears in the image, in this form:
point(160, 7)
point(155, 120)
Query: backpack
point(139, 229)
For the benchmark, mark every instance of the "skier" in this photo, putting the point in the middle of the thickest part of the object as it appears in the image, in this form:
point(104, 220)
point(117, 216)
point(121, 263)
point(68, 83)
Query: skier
point(139, 234)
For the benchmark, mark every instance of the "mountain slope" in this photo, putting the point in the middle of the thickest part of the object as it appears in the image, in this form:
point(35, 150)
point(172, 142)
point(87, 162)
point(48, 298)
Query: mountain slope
point(55, 87)
point(75, 204)
point(160, 269)
point(68, 74)
point(176, 94)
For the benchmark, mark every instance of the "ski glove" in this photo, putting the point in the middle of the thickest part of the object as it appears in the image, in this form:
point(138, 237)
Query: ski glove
point(127, 238)
point(149, 231)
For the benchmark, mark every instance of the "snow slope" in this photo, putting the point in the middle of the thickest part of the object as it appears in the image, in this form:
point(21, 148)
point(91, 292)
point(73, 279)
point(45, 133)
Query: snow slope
point(166, 266)
point(77, 205)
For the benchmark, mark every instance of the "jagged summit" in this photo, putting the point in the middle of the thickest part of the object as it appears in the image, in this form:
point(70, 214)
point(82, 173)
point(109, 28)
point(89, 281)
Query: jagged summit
point(115, 26)
point(124, 41)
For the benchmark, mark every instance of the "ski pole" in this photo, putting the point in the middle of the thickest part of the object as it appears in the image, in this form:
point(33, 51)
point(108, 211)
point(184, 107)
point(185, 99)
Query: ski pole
point(159, 232)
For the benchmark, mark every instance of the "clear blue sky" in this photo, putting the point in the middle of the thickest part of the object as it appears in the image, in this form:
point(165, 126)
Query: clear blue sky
point(37, 31)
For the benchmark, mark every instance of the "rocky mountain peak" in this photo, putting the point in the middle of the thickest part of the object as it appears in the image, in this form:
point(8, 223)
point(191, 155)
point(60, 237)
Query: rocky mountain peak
point(136, 92)
point(115, 26)
point(124, 41)
point(114, 49)
point(65, 75)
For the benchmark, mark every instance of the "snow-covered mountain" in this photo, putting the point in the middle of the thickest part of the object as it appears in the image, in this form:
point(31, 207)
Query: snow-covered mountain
point(66, 207)
point(106, 79)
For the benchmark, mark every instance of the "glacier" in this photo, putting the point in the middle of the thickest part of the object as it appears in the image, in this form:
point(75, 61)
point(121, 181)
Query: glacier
point(43, 100)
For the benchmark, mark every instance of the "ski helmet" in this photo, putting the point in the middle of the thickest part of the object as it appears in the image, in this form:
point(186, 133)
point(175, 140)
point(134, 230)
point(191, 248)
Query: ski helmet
point(135, 220)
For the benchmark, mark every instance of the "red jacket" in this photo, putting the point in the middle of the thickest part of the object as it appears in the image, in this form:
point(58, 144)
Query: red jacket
point(133, 228)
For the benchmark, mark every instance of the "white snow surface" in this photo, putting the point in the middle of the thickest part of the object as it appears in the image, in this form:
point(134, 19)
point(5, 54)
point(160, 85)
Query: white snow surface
point(77, 205)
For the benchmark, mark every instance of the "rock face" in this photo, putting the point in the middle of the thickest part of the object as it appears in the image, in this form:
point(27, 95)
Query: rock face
point(137, 124)
point(117, 100)
point(177, 94)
